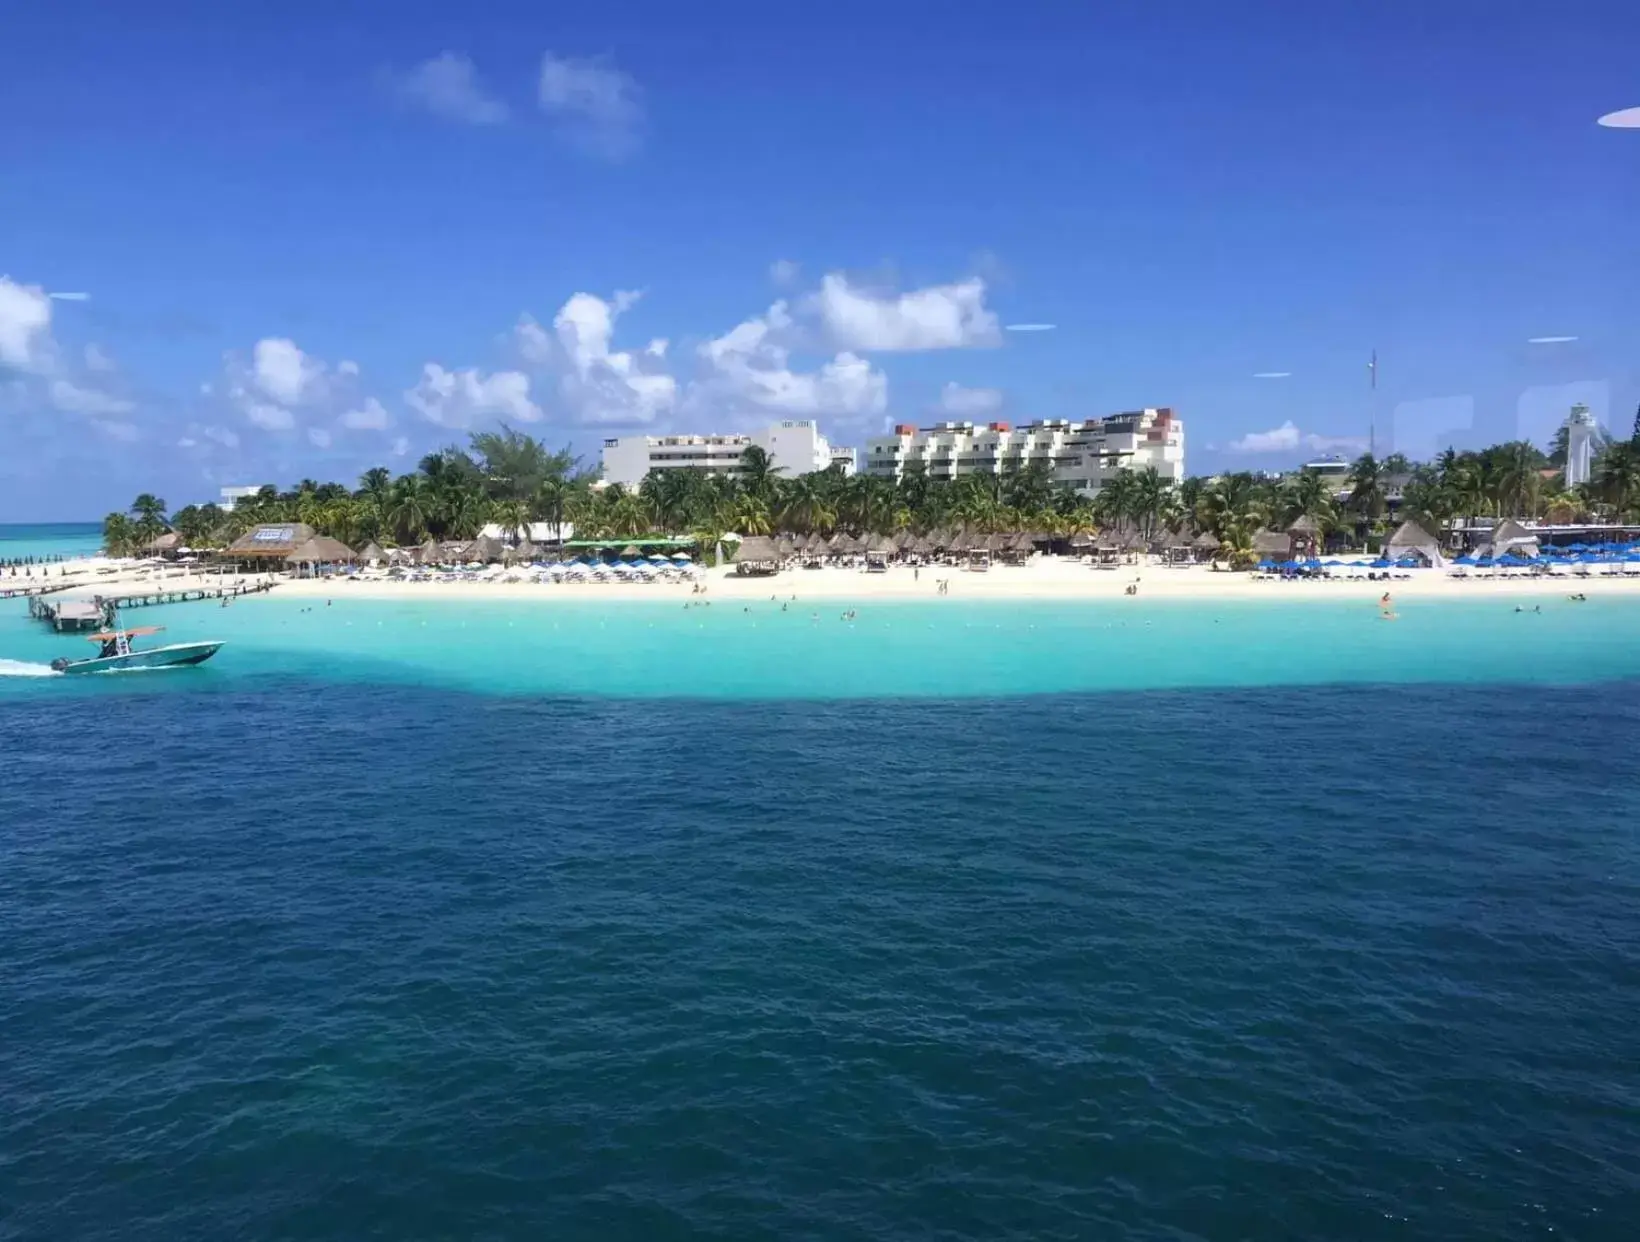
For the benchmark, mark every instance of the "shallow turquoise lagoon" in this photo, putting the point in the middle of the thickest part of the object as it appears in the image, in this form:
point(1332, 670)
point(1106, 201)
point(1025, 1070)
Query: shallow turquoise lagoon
point(947, 649)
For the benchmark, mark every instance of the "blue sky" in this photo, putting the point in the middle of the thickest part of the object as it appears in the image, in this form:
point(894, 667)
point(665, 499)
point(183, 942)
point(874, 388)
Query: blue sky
point(314, 237)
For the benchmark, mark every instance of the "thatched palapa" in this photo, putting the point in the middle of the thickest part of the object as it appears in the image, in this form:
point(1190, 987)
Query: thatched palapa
point(372, 551)
point(1271, 543)
point(272, 541)
point(321, 550)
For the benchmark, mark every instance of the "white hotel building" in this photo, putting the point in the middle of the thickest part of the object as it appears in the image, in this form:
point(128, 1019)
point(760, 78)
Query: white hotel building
point(795, 447)
point(1082, 454)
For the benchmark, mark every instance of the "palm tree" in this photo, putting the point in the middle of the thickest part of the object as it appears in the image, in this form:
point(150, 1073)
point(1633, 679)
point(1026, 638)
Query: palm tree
point(806, 507)
point(757, 472)
point(513, 516)
point(1617, 478)
point(119, 537)
point(1366, 481)
point(410, 508)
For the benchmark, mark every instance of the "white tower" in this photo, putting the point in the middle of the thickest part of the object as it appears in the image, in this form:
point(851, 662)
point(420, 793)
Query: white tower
point(1579, 441)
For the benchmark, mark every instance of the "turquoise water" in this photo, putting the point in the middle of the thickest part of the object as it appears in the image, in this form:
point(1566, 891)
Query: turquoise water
point(947, 649)
point(424, 922)
point(49, 539)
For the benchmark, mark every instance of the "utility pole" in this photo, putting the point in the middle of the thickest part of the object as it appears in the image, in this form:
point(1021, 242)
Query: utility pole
point(1372, 413)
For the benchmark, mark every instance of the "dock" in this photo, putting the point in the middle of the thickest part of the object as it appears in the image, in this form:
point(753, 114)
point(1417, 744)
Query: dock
point(87, 614)
point(29, 592)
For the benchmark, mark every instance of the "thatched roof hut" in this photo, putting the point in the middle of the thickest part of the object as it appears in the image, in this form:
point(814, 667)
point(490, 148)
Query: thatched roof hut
point(1304, 525)
point(170, 541)
point(921, 547)
point(526, 551)
point(486, 548)
point(1270, 543)
point(904, 539)
point(756, 551)
point(883, 544)
point(321, 550)
point(1207, 541)
point(430, 553)
point(372, 552)
point(272, 541)
point(1080, 540)
point(1410, 539)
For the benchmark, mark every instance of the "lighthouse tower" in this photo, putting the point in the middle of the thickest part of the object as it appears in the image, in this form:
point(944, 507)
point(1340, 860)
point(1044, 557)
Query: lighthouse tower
point(1579, 443)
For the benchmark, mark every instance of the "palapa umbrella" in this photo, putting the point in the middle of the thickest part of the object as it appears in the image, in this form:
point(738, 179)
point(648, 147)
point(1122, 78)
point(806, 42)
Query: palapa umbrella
point(430, 552)
point(372, 552)
point(631, 549)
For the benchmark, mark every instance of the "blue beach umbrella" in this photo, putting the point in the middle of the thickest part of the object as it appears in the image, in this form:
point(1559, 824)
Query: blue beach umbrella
point(1380, 563)
point(1266, 563)
point(1466, 560)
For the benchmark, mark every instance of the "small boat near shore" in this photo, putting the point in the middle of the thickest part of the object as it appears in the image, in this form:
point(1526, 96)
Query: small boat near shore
point(116, 655)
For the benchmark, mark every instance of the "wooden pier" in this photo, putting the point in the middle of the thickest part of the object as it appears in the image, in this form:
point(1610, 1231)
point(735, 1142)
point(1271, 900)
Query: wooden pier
point(87, 614)
point(29, 592)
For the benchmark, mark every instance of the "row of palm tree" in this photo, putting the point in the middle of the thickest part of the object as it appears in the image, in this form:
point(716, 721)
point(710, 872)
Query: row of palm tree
point(512, 480)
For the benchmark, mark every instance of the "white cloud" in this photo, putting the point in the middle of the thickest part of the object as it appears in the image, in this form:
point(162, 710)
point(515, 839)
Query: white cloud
point(74, 399)
point(1282, 439)
point(459, 398)
point(1272, 374)
point(1032, 327)
point(969, 402)
point(224, 436)
point(1626, 118)
point(70, 297)
point(401, 446)
point(347, 367)
point(264, 414)
point(750, 369)
point(448, 86)
point(284, 372)
point(784, 272)
point(371, 416)
point(938, 317)
point(126, 432)
point(318, 437)
point(598, 384)
point(97, 360)
point(597, 106)
point(1549, 340)
point(25, 327)
point(1287, 438)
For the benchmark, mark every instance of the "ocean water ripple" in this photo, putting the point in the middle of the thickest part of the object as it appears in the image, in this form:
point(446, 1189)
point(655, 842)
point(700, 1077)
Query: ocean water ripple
point(311, 961)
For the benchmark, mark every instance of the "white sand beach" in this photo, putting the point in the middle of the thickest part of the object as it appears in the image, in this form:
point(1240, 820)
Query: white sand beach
point(1043, 578)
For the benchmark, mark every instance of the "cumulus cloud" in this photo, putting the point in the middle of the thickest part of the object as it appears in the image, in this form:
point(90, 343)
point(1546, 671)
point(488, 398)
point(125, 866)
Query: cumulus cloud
point(401, 446)
point(25, 327)
point(969, 402)
point(1287, 438)
point(448, 86)
point(1625, 118)
point(459, 398)
point(597, 107)
point(96, 359)
point(318, 437)
point(371, 416)
point(284, 372)
point(938, 317)
point(265, 414)
point(784, 272)
point(74, 398)
point(749, 368)
point(597, 383)
point(114, 430)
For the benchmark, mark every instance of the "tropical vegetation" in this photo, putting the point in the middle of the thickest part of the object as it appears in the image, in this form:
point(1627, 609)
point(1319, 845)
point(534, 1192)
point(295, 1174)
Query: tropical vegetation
point(513, 480)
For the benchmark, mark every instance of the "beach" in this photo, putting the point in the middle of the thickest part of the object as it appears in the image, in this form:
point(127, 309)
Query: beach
point(1044, 578)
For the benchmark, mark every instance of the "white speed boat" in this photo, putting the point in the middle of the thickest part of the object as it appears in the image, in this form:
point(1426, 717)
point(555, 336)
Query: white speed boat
point(116, 654)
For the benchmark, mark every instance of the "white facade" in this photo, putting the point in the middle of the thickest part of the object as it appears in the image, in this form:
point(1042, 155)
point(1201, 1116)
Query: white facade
point(844, 459)
point(795, 446)
point(231, 496)
point(1083, 455)
point(1580, 429)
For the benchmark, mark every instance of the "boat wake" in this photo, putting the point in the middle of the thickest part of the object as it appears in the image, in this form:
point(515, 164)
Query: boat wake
point(22, 668)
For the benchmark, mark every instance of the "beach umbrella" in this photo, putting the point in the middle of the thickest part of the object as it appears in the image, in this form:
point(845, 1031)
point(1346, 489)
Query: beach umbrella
point(681, 556)
point(1466, 560)
point(1381, 563)
point(1266, 564)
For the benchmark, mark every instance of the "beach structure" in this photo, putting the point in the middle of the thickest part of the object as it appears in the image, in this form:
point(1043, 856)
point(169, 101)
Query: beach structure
point(1509, 538)
point(535, 532)
point(1413, 540)
point(321, 550)
point(1581, 430)
point(228, 497)
point(756, 555)
point(1304, 536)
point(1082, 455)
point(163, 545)
point(795, 446)
point(1204, 545)
point(372, 554)
point(1274, 545)
point(268, 545)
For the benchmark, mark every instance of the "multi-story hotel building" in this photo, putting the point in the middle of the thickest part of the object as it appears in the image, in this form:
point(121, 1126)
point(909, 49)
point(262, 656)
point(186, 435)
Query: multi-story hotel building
point(1081, 454)
point(796, 447)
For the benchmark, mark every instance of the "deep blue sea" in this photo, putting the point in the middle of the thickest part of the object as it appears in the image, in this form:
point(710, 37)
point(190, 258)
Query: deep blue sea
point(43, 540)
point(429, 938)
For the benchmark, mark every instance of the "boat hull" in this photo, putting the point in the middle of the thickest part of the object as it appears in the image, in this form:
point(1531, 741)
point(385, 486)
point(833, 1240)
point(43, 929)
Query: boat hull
point(178, 655)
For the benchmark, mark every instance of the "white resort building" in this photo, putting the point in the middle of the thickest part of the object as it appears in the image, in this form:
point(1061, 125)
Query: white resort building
point(233, 495)
point(1082, 454)
point(796, 447)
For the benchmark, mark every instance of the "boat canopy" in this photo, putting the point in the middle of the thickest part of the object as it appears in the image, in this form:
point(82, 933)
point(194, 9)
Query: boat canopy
point(108, 636)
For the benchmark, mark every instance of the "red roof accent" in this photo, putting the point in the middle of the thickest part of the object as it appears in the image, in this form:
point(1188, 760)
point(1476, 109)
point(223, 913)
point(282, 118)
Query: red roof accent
point(904, 429)
point(999, 426)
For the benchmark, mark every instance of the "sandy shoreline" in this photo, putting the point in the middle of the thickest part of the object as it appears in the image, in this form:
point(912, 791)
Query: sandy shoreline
point(1053, 580)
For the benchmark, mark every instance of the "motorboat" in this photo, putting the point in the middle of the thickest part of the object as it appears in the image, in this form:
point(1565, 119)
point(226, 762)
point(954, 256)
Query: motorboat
point(116, 655)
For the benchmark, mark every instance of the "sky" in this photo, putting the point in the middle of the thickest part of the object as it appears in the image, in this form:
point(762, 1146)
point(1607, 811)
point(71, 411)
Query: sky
point(259, 242)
